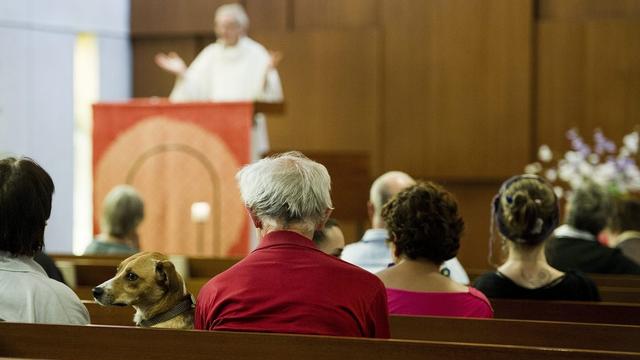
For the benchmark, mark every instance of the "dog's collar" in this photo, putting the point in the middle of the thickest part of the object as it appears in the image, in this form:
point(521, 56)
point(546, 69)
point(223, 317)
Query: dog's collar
point(182, 306)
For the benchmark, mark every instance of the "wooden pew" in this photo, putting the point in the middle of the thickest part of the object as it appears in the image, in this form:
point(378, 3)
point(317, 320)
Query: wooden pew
point(109, 315)
point(477, 331)
point(518, 332)
point(108, 342)
point(568, 311)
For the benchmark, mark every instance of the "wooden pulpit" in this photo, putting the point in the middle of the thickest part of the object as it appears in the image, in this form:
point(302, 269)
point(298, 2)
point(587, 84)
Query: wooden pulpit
point(175, 155)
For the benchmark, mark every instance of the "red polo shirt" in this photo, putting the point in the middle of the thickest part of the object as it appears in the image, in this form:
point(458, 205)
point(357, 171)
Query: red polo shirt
point(287, 285)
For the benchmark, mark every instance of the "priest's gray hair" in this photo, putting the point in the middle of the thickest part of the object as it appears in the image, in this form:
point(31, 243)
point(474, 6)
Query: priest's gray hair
point(286, 189)
point(236, 11)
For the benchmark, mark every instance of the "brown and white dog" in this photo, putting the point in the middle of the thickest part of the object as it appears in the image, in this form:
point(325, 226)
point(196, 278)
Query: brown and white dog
point(149, 282)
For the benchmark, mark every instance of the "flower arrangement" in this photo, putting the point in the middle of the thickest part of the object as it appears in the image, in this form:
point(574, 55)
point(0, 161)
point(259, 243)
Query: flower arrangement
point(604, 163)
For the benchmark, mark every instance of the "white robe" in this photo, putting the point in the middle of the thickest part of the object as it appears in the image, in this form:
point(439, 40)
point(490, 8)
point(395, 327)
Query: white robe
point(235, 73)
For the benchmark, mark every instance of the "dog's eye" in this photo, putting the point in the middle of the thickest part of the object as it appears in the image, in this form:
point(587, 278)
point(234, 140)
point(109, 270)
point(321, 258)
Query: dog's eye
point(132, 276)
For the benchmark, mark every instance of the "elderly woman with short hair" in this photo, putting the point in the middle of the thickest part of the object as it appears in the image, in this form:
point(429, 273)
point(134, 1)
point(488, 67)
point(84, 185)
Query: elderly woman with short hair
point(122, 212)
point(26, 293)
point(287, 284)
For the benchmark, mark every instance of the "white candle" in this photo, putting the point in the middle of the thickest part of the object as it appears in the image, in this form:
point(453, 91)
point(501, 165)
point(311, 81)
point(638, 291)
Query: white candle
point(200, 212)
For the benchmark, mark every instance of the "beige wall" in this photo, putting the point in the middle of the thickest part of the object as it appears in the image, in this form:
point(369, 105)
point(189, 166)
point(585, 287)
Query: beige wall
point(458, 91)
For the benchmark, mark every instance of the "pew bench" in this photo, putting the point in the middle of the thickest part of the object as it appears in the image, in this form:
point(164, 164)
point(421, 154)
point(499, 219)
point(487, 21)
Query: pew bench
point(109, 342)
point(476, 331)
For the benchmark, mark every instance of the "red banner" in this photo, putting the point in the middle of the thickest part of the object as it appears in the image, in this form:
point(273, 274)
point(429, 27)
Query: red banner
point(176, 155)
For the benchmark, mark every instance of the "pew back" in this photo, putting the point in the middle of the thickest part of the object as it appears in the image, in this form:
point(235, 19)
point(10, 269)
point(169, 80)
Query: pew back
point(107, 342)
point(571, 311)
point(477, 331)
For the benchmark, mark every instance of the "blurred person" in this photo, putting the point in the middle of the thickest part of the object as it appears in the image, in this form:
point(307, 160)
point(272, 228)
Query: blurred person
point(526, 213)
point(234, 68)
point(27, 294)
point(372, 252)
point(424, 230)
point(330, 240)
point(575, 245)
point(625, 228)
point(122, 213)
point(288, 285)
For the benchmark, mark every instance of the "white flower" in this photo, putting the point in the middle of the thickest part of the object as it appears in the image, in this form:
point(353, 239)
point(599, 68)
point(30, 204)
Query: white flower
point(551, 175)
point(545, 154)
point(594, 158)
point(565, 170)
point(604, 174)
point(630, 142)
point(624, 152)
point(585, 169)
point(573, 156)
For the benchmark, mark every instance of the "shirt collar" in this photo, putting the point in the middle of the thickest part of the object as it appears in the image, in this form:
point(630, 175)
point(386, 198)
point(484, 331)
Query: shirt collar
point(284, 237)
point(571, 232)
point(19, 264)
point(626, 235)
point(375, 235)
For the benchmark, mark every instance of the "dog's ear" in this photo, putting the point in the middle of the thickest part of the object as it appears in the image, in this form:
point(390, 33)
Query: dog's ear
point(167, 276)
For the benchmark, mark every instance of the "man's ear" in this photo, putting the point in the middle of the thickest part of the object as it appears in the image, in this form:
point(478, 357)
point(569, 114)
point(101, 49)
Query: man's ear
point(325, 217)
point(370, 210)
point(255, 219)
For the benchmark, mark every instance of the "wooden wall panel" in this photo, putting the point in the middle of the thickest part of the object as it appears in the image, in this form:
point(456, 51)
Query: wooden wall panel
point(325, 14)
point(457, 87)
point(331, 87)
point(268, 15)
point(148, 78)
point(588, 78)
point(588, 9)
point(173, 16)
point(474, 201)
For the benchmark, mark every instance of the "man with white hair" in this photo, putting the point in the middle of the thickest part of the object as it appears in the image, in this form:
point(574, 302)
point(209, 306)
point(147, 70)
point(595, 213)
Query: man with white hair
point(288, 285)
point(234, 68)
point(372, 252)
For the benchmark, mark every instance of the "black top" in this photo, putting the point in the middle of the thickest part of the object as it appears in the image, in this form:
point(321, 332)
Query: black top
point(49, 266)
point(588, 256)
point(572, 286)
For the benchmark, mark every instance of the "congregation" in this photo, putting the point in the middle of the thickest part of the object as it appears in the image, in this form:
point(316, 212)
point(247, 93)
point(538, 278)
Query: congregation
point(281, 285)
point(387, 212)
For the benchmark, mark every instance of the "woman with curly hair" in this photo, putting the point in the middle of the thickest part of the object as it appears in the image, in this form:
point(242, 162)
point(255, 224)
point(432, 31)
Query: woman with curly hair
point(425, 228)
point(526, 212)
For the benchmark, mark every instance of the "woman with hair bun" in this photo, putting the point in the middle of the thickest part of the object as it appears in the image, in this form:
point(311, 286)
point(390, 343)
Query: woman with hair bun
point(526, 213)
point(425, 228)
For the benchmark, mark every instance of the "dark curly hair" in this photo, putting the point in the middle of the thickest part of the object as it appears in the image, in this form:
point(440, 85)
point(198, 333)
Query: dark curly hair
point(25, 206)
point(424, 222)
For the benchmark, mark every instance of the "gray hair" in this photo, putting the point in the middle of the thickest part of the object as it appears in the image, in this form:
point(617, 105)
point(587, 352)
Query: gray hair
point(589, 208)
point(382, 191)
point(122, 211)
point(286, 189)
point(236, 11)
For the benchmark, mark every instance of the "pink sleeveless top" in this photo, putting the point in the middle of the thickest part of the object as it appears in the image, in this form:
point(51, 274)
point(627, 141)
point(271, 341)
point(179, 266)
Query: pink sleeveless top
point(456, 304)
